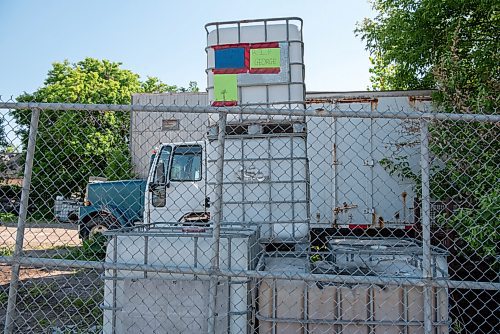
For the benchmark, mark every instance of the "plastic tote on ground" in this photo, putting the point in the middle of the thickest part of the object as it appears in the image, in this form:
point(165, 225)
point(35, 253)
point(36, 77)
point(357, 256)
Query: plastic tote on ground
point(296, 306)
point(153, 302)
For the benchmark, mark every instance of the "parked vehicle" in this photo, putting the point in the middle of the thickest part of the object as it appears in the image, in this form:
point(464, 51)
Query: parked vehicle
point(10, 199)
point(111, 204)
point(66, 210)
point(338, 150)
point(182, 180)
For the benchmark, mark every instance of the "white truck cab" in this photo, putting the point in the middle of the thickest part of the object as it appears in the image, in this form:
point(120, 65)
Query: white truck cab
point(176, 190)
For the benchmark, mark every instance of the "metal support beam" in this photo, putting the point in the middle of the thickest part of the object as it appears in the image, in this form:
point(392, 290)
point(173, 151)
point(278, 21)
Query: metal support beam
point(426, 224)
point(23, 210)
point(217, 218)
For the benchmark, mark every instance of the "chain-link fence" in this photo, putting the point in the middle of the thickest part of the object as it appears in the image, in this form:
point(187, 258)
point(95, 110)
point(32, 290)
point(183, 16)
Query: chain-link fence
point(358, 214)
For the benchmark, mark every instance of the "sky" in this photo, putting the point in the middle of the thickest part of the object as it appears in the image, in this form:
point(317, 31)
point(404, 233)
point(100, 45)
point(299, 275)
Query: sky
point(166, 39)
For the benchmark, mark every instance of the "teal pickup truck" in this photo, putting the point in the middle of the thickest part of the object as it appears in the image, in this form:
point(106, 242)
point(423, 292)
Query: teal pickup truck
point(111, 204)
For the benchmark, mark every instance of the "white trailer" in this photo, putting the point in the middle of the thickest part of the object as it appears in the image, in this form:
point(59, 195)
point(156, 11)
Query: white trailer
point(350, 186)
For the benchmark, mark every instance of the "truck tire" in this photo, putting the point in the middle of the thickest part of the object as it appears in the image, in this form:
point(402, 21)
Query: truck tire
point(96, 225)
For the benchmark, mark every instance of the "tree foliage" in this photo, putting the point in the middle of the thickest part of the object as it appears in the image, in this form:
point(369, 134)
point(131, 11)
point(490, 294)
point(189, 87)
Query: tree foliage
point(451, 46)
point(73, 145)
point(421, 44)
point(4, 143)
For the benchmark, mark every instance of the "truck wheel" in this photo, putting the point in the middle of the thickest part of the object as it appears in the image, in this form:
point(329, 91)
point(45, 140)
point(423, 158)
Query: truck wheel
point(97, 225)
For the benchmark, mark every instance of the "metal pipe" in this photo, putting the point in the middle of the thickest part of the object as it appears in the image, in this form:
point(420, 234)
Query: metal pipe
point(371, 165)
point(311, 111)
point(23, 211)
point(426, 224)
point(406, 313)
point(342, 279)
point(114, 285)
point(217, 218)
point(348, 322)
point(274, 305)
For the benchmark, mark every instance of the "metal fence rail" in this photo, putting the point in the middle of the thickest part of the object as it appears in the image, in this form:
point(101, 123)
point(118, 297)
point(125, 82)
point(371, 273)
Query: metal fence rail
point(259, 219)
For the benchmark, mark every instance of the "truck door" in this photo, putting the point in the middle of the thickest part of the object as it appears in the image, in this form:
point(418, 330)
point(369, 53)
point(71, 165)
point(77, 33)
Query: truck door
point(184, 186)
point(156, 193)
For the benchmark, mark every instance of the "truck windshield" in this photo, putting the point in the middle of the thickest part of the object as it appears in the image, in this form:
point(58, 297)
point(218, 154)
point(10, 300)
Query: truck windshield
point(186, 163)
point(165, 158)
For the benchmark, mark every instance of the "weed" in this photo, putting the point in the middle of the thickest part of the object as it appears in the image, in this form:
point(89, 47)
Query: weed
point(7, 217)
point(4, 296)
point(6, 251)
point(88, 308)
point(93, 249)
point(43, 322)
point(39, 289)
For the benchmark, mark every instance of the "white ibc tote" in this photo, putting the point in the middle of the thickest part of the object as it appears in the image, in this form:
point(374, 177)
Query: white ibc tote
point(283, 88)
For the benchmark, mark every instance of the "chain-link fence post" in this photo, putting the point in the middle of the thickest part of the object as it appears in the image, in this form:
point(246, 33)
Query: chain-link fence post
point(219, 178)
point(23, 210)
point(426, 223)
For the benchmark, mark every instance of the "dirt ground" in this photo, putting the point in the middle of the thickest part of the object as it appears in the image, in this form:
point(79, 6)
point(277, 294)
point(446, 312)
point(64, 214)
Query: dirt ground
point(55, 301)
point(44, 239)
point(42, 235)
point(50, 300)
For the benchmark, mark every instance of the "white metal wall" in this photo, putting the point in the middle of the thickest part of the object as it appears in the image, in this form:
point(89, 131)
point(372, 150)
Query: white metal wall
point(147, 130)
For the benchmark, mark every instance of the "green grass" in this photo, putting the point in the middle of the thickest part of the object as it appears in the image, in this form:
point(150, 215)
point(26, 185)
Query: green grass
point(44, 322)
point(8, 217)
point(93, 249)
point(38, 290)
point(6, 251)
point(83, 306)
point(4, 296)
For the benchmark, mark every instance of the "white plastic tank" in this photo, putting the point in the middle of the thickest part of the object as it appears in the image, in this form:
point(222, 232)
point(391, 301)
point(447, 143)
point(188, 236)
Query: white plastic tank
point(255, 62)
point(265, 180)
point(152, 302)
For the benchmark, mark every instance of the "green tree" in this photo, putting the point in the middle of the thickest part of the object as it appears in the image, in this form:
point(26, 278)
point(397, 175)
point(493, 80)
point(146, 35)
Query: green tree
point(4, 148)
point(419, 44)
point(154, 85)
point(73, 145)
point(193, 87)
point(4, 143)
point(451, 46)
